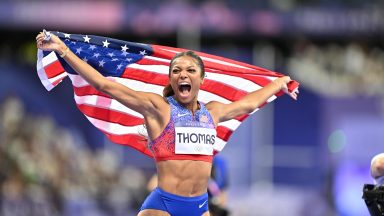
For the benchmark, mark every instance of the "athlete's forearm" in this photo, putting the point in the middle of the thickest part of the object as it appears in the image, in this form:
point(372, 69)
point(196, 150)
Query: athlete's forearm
point(255, 99)
point(247, 104)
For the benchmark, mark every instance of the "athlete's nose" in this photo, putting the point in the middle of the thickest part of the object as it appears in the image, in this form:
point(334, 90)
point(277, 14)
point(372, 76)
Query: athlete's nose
point(183, 74)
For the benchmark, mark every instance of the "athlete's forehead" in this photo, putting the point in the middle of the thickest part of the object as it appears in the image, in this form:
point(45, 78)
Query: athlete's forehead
point(184, 61)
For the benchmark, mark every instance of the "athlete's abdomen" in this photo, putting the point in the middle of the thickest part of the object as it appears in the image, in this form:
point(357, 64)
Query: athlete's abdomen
point(184, 177)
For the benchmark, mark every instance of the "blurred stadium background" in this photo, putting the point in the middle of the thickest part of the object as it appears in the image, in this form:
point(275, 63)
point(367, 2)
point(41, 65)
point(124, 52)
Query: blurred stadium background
point(310, 157)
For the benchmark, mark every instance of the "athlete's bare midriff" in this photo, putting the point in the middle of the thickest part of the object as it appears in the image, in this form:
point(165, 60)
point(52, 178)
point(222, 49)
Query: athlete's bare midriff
point(184, 177)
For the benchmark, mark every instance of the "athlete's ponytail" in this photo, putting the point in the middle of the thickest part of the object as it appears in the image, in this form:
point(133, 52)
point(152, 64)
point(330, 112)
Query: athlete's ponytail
point(168, 91)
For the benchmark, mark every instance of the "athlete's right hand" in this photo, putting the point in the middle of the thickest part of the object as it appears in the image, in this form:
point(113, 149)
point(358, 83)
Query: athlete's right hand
point(54, 44)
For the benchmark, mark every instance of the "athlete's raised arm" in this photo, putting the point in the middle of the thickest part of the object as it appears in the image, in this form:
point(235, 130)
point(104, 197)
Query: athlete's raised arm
point(145, 103)
point(223, 112)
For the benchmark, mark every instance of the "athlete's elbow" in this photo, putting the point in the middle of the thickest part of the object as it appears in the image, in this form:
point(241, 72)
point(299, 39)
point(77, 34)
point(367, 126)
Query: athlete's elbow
point(250, 110)
point(249, 104)
point(248, 107)
point(99, 87)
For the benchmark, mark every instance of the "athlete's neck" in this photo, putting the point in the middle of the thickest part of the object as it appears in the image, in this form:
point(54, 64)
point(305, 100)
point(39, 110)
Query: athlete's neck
point(192, 106)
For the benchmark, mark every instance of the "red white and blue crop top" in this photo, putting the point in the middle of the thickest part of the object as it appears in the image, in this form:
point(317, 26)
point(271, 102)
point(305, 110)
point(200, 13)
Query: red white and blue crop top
point(186, 137)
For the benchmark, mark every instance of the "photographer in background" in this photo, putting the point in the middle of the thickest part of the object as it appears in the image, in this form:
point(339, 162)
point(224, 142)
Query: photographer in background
point(373, 194)
point(377, 169)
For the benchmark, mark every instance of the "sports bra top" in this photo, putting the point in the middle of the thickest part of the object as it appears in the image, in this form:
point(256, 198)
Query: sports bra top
point(186, 136)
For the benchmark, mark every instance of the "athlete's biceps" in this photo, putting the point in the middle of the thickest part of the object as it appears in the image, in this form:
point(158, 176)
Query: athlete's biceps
point(135, 100)
point(149, 103)
point(141, 101)
point(117, 90)
point(229, 111)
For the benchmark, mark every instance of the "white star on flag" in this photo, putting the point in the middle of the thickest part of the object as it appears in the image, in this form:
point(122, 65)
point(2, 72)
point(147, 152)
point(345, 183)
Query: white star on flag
point(124, 48)
point(86, 38)
point(105, 43)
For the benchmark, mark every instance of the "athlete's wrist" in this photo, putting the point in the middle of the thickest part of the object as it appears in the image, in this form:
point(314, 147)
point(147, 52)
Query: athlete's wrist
point(278, 84)
point(62, 50)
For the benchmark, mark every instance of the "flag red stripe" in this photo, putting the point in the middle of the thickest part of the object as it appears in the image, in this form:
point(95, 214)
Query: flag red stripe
point(223, 132)
point(135, 141)
point(88, 90)
point(109, 115)
point(223, 90)
point(145, 76)
point(54, 69)
point(148, 61)
point(160, 52)
point(55, 83)
point(241, 118)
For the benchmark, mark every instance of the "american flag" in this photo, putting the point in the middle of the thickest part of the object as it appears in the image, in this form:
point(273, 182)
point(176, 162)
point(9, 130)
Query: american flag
point(145, 67)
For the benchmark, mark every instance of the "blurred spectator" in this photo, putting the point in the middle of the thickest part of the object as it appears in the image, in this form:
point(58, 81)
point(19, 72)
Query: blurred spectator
point(44, 172)
point(338, 70)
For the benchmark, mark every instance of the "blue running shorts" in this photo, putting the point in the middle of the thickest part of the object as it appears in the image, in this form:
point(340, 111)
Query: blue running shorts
point(176, 205)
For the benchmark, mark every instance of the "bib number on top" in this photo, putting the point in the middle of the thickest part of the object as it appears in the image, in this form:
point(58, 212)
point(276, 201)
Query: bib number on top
point(194, 140)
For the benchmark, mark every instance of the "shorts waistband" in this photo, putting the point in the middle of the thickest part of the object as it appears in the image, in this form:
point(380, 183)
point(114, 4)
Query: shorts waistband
point(181, 198)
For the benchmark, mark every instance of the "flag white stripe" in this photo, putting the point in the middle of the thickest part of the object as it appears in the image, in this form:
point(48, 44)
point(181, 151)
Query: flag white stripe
point(116, 129)
point(231, 124)
point(91, 100)
point(41, 72)
point(58, 77)
point(49, 59)
point(234, 82)
point(157, 59)
point(219, 144)
point(224, 63)
point(160, 69)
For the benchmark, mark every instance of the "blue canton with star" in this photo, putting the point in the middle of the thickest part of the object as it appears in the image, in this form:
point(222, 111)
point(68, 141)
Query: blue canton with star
point(108, 56)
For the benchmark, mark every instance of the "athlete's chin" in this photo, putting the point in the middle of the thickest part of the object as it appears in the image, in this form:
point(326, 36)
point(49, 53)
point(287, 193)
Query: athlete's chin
point(185, 98)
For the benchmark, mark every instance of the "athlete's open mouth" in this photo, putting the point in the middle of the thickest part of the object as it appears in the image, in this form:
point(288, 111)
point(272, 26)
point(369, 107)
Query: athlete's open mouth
point(184, 87)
